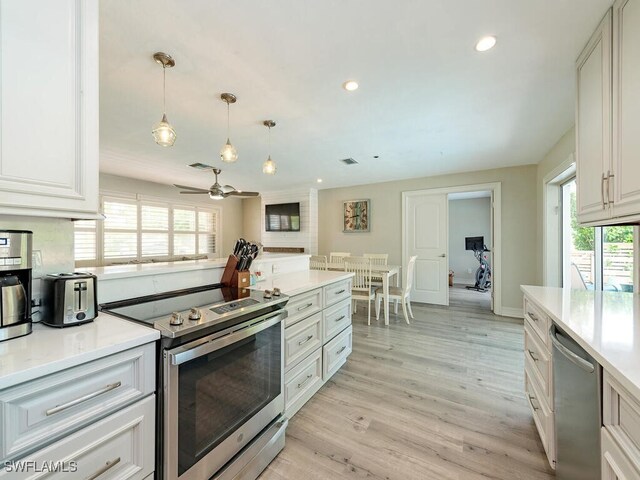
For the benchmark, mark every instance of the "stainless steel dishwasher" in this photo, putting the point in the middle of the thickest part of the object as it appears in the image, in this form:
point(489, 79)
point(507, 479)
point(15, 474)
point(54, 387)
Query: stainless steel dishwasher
point(578, 406)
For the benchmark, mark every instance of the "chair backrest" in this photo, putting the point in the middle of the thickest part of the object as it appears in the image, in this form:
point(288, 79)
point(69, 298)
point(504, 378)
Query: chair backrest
point(409, 278)
point(377, 258)
point(577, 280)
point(361, 267)
point(338, 257)
point(318, 262)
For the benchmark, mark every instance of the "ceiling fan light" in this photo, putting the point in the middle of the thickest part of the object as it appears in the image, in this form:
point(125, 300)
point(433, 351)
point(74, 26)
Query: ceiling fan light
point(163, 133)
point(269, 167)
point(216, 196)
point(228, 153)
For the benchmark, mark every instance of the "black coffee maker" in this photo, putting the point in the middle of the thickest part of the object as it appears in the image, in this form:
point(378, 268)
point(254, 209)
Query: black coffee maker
point(15, 283)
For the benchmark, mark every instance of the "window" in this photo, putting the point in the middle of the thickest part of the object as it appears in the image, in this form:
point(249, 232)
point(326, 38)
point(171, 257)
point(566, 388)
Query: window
point(140, 230)
point(599, 258)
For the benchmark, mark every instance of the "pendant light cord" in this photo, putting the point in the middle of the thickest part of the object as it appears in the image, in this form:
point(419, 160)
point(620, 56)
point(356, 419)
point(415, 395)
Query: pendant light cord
point(227, 120)
point(164, 89)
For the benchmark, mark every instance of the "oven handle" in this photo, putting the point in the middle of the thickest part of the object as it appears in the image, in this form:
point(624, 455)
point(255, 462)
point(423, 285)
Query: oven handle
point(185, 353)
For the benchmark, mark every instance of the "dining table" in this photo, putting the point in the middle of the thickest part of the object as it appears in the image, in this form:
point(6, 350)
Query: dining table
point(386, 272)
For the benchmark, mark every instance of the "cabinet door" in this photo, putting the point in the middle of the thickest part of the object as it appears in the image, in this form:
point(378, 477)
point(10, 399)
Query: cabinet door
point(626, 107)
point(48, 106)
point(615, 464)
point(593, 124)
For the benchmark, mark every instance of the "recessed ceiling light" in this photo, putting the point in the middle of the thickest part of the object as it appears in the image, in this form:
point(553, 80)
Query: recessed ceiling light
point(486, 43)
point(350, 85)
point(319, 180)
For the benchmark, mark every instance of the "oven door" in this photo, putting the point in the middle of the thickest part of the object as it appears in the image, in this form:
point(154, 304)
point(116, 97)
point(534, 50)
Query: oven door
point(219, 393)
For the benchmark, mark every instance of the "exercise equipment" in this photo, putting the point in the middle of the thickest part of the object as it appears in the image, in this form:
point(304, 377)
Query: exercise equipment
point(483, 273)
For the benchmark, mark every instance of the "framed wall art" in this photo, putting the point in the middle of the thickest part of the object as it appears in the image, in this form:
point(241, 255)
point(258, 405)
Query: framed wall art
point(356, 215)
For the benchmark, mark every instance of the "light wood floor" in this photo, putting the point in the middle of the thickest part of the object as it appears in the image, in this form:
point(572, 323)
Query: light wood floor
point(461, 296)
point(439, 399)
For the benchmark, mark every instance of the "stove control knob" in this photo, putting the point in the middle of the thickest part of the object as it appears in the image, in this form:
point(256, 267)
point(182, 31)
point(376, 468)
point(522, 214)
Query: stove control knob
point(195, 314)
point(176, 319)
point(276, 292)
point(267, 294)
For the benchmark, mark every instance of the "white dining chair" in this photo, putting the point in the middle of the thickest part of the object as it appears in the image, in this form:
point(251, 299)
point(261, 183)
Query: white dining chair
point(338, 257)
point(399, 294)
point(318, 262)
point(361, 289)
point(377, 259)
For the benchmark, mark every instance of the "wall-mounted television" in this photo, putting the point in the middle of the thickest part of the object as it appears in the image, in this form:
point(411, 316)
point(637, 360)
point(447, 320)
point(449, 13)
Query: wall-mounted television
point(282, 217)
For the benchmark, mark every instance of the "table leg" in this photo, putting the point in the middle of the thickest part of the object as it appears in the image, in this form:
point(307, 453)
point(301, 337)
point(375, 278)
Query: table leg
point(385, 291)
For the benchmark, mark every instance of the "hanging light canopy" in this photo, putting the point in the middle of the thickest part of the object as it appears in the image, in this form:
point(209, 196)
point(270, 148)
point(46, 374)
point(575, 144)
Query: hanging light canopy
point(269, 166)
point(228, 153)
point(163, 133)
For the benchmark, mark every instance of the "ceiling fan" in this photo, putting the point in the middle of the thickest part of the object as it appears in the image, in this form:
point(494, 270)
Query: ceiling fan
point(215, 191)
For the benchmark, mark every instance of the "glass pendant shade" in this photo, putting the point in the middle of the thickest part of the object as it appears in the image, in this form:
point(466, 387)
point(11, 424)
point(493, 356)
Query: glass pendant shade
point(269, 167)
point(228, 153)
point(163, 133)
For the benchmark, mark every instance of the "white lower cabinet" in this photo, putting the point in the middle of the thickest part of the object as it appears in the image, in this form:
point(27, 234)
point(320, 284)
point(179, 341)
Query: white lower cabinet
point(120, 446)
point(615, 464)
point(317, 340)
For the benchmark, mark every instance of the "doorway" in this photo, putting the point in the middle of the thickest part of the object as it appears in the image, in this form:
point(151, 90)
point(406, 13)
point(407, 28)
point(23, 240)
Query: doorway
point(470, 246)
point(425, 233)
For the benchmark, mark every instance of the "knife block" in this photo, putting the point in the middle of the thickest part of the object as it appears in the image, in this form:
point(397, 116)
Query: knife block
point(232, 277)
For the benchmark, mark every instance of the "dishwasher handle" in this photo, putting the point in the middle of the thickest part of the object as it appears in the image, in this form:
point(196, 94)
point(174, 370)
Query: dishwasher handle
point(581, 362)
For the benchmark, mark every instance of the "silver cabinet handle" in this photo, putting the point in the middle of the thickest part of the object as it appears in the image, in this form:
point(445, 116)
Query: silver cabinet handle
point(604, 205)
point(106, 467)
point(302, 342)
point(532, 356)
point(73, 403)
point(340, 291)
point(609, 192)
point(531, 398)
point(533, 316)
point(341, 350)
point(341, 318)
point(309, 377)
point(304, 307)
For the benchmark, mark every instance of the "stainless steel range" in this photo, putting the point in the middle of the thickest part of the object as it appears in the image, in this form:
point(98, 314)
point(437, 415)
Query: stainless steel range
point(220, 380)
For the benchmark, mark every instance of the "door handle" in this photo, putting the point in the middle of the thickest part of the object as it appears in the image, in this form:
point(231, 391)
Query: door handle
point(442, 255)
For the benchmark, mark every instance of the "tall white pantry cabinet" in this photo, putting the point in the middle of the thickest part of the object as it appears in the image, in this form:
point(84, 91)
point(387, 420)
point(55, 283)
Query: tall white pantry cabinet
point(49, 108)
point(607, 120)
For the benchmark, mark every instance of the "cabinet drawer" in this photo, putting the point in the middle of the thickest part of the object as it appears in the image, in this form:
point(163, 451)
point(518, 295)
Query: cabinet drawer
point(621, 417)
point(538, 358)
point(337, 291)
point(542, 417)
point(335, 353)
point(538, 320)
point(301, 339)
point(121, 446)
point(37, 412)
point(615, 464)
point(302, 382)
point(303, 305)
point(336, 318)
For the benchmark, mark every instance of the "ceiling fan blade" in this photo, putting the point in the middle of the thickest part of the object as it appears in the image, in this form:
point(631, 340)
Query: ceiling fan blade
point(242, 194)
point(228, 188)
point(201, 166)
point(184, 187)
point(193, 192)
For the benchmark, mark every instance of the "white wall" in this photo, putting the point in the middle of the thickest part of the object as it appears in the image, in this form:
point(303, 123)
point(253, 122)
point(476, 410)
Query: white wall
point(467, 218)
point(307, 237)
point(251, 223)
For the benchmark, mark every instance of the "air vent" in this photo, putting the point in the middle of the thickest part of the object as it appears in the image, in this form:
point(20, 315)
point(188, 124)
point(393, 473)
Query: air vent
point(348, 161)
point(201, 166)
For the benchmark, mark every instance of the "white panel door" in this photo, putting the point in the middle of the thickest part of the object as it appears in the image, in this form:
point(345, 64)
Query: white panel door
point(426, 230)
point(626, 108)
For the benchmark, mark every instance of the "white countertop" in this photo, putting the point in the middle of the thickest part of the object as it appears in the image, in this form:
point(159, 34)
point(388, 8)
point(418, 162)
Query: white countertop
point(605, 324)
point(113, 272)
point(47, 350)
point(295, 283)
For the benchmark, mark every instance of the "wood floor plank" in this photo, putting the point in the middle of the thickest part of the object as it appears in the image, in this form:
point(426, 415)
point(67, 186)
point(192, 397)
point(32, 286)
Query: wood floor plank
point(439, 399)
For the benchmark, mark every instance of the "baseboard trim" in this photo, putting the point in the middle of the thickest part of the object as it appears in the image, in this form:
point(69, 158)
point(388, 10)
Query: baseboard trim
point(512, 312)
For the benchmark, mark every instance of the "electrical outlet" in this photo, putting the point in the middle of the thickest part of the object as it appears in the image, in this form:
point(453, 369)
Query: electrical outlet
point(275, 268)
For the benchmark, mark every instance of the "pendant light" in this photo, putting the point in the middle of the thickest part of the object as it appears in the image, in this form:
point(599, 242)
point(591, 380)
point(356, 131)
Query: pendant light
point(269, 167)
point(228, 153)
point(163, 133)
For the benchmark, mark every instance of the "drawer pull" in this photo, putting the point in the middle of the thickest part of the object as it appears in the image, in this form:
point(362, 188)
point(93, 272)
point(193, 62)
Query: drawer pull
point(309, 377)
point(533, 316)
point(531, 399)
point(341, 318)
point(304, 307)
point(340, 291)
point(302, 342)
point(107, 466)
point(344, 347)
point(73, 403)
point(533, 357)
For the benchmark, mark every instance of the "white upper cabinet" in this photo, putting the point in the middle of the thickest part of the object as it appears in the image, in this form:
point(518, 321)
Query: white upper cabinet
point(49, 107)
point(607, 120)
point(593, 124)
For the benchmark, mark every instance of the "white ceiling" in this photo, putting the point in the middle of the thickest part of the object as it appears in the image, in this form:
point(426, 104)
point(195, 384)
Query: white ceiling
point(428, 103)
